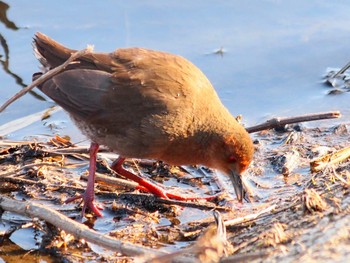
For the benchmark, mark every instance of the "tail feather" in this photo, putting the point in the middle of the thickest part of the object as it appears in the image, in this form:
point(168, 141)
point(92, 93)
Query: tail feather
point(49, 52)
point(52, 54)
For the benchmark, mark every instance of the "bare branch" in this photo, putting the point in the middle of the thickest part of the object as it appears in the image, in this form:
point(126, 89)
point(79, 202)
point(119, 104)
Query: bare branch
point(278, 122)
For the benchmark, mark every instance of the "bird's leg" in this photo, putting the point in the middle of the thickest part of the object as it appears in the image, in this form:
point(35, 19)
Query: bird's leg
point(148, 186)
point(89, 195)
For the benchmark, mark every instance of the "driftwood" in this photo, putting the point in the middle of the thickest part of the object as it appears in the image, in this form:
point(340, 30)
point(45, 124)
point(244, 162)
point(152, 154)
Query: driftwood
point(279, 122)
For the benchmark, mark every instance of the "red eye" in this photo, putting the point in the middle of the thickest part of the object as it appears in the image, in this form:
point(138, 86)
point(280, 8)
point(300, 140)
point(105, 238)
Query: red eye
point(232, 159)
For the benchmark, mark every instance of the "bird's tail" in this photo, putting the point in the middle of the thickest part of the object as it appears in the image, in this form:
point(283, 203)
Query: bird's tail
point(49, 52)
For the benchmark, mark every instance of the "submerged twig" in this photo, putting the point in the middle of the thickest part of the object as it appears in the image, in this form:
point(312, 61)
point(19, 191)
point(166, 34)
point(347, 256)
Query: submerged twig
point(278, 122)
point(46, 76)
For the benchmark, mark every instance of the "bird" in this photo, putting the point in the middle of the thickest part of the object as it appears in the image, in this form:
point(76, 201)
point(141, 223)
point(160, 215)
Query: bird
point(145, 104)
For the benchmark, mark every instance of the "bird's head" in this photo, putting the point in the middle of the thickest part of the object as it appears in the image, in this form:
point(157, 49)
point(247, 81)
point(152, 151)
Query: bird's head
point(233, 155)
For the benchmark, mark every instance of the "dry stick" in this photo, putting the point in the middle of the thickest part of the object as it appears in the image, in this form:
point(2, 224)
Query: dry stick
point(329, 159)
point(72, 150)
point(46, 76)
point(112, 181)
point(244, 219)
point(278, 122)
point(77, 229)
point(250, 217)
point(12, 178)
point(27, 166)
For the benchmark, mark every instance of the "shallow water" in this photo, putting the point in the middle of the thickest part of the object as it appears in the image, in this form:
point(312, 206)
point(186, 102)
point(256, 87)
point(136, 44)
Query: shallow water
point(275, 53)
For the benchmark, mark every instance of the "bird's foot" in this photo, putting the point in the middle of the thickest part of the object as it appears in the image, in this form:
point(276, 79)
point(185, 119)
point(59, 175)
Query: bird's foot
point(88, 202)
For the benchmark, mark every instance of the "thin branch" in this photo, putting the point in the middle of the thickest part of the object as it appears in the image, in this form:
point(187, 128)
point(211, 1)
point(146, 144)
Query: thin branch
point(342, 70)
point(75, 228)
point(46, 76)
point(250, 217)
point(150, 198)
point(27, 166)
point(112, 181)
point(330, 159)
point(278, 122)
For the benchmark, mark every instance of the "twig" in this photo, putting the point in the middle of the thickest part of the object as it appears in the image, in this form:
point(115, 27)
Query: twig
point(75, 228)
point(278, 122)
point(341, 179)
point(100, 178)
point(150, 198)
point(329, 159)
point(27, 166)
point(16, 180)
point(74, 150)
point(46, 76)
point(250, 217)
point(342, 70)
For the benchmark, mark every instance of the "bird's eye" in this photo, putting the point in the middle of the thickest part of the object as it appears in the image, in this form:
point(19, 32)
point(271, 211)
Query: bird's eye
point(232, 159)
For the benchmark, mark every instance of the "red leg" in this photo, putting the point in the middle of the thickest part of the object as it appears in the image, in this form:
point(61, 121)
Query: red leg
point(148, 186)
point(89, 195)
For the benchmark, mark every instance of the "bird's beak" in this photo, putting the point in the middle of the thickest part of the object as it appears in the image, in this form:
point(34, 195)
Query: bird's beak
point(237, 184)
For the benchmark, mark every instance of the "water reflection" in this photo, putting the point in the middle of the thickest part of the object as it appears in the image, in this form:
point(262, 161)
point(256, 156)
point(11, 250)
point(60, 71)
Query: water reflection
point(5, 58)
point(3, 16)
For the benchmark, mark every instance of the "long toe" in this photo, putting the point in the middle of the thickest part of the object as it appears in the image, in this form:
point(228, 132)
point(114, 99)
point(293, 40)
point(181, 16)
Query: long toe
point(89, 203)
